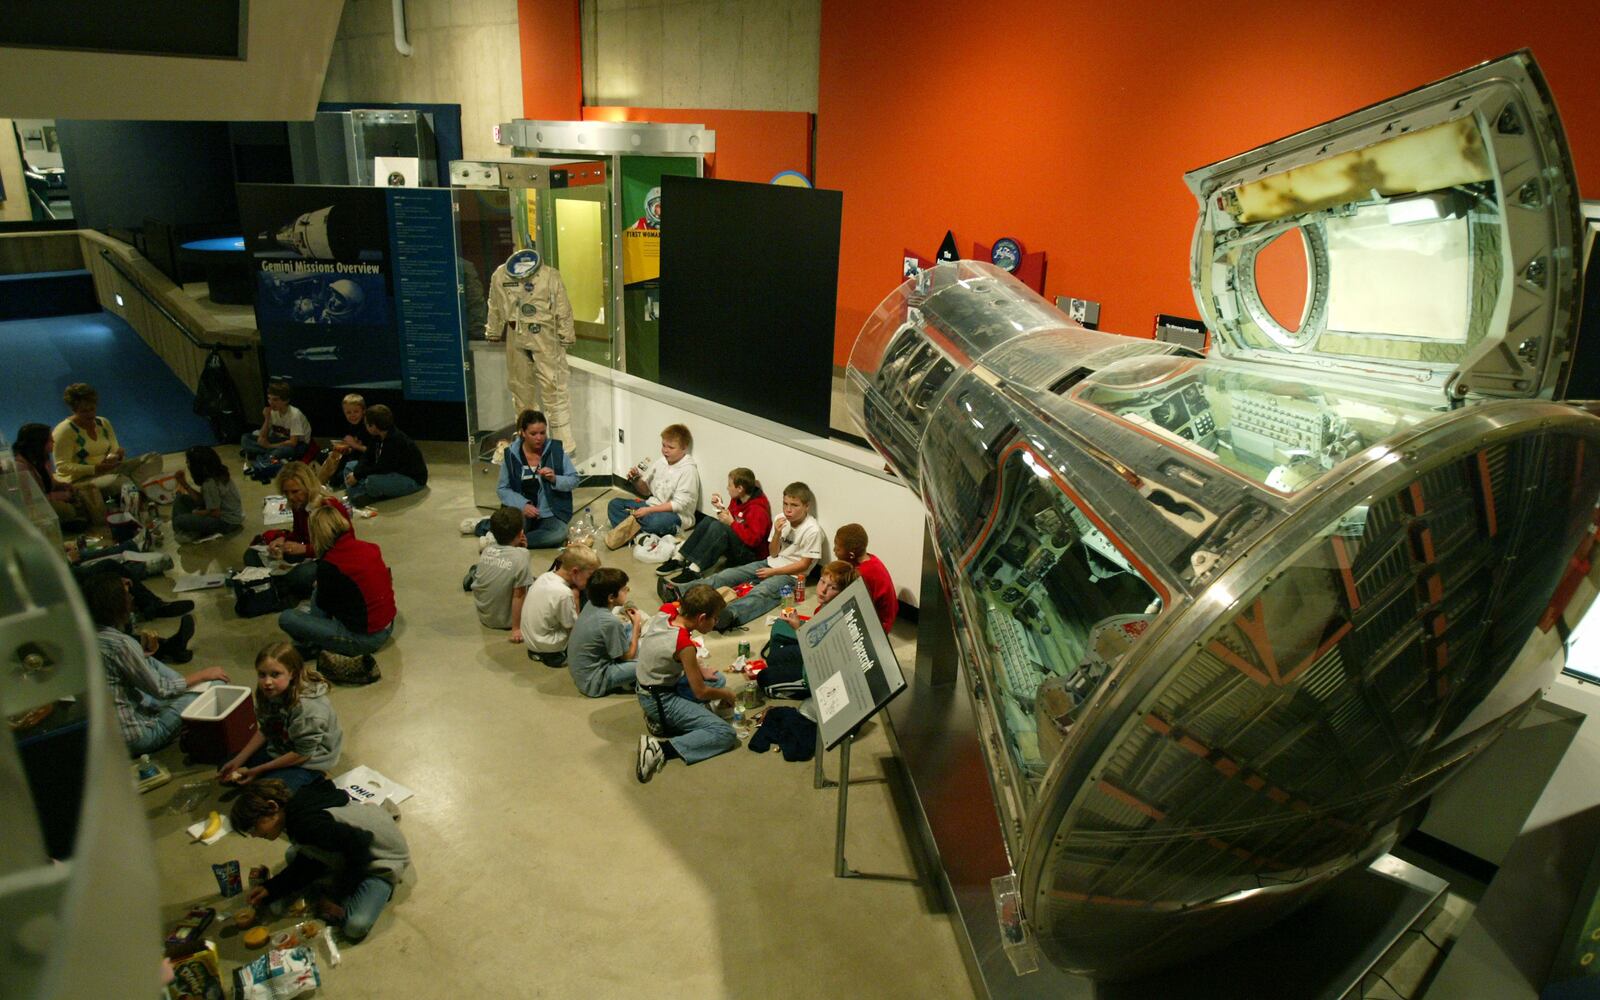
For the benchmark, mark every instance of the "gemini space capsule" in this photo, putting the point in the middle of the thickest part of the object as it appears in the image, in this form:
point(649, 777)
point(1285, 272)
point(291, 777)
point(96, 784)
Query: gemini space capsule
point(1228, 620)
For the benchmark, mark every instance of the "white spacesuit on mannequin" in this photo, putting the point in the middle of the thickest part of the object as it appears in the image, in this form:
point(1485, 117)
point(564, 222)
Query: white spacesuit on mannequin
point(528, 307)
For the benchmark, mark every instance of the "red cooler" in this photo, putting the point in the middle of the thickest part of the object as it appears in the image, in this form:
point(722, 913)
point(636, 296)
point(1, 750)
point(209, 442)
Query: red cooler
point(218, 724)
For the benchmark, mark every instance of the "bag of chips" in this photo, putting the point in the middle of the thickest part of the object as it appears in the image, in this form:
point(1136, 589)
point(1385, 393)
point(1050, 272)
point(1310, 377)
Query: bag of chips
point(277, 975)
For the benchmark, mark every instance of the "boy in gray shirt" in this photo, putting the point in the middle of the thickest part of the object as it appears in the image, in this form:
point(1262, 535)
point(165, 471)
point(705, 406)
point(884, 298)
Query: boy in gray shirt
point(602, 647)
point(500, 581)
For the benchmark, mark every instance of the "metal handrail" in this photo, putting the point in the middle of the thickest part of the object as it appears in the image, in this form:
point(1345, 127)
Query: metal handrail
point(238, 350)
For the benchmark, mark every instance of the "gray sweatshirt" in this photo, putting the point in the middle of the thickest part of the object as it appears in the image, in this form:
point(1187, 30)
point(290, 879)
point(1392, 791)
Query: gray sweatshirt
point(391, 856)
point(309, 728)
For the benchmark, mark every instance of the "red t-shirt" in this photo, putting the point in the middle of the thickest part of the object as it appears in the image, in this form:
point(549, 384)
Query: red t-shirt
point(881, 588)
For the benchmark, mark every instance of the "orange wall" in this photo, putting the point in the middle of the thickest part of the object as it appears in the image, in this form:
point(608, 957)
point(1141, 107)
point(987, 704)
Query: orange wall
point(751, 145)
point(1069, 125)
point(552, 59)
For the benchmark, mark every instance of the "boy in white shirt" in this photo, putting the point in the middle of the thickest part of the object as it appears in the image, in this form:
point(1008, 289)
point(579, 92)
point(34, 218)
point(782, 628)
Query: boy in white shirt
point(795, 546)
point(671, 488)
point(284, 431)
point(551, 607)
point(500, 580)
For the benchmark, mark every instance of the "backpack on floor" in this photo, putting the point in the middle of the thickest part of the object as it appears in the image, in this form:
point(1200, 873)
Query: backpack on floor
point(217, 399)
point(254, 598)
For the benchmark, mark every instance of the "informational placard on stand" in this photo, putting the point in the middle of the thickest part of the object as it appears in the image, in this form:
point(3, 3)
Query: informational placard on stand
point(849, 665)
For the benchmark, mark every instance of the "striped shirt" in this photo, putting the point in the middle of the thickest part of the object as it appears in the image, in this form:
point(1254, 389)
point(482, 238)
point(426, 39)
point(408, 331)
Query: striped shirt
point(133, 676)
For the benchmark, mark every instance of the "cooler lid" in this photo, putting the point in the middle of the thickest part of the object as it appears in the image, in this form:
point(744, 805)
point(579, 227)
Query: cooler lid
point(1426, 241)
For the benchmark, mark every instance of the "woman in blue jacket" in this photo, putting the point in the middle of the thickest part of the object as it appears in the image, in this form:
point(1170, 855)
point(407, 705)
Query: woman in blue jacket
point(538, 478)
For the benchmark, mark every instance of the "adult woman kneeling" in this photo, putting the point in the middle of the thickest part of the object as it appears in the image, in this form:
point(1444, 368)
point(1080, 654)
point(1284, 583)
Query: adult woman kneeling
point(352, 611)
point(299, 485)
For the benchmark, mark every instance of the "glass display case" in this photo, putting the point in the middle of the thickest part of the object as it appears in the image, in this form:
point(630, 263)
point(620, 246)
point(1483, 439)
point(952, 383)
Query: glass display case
point(522, 328)
point(1227, 621)
point(637, 156)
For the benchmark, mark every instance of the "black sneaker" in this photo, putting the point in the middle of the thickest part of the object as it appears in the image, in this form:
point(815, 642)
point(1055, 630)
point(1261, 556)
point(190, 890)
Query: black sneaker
point(683, 579)
point(667, 591)
point(175, 648)
point(671, 567)
point(170, 609)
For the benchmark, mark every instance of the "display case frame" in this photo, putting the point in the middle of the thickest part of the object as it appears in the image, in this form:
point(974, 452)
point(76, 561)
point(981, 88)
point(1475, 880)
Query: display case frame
point(502, 207)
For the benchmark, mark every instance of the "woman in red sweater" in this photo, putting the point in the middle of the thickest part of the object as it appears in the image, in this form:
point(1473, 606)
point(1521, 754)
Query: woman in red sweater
point(737, 535)
point(352, 612)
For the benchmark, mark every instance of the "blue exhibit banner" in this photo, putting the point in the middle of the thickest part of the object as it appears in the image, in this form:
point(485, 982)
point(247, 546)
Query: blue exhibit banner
point(427, 307)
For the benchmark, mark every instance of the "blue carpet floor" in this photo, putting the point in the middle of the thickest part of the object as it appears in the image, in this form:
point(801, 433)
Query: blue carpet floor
point(145, 402)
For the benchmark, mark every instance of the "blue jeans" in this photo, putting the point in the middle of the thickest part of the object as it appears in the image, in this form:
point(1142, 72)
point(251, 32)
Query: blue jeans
point(615, 678)
point(381, 486)
point(362, 906)
point(293, 777)
point(763, 598)
point(164, 727)
point(545, 533)
point(319, 630)
point(702, 734)
point(185, 519)
point(249, 447)
point(663, 522)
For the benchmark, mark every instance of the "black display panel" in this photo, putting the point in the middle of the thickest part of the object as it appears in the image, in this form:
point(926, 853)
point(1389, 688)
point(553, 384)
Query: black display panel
point(749, 280)
point(198, 28)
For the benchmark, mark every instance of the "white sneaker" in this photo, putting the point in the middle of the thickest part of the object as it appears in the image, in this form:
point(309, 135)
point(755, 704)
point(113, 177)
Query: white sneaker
point(484, 541)
point(650, 759)
point(469, 524)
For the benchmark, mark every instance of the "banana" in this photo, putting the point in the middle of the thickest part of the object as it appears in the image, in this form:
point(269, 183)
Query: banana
point(213, 824)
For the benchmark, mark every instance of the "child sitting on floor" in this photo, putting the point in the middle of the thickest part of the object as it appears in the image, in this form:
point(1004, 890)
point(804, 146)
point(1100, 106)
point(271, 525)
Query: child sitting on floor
point(500, 581)
point(352, 447)
point(299, 739)
point(284, 431)
point(552, 605)
point(353, 852)
point(785, 676)
point(207, 502)
point(602, 647)
point(392, 467)
point(671, 488)
point(668, 658)
point(737, 535)
point(794, 546)
point(850, 544)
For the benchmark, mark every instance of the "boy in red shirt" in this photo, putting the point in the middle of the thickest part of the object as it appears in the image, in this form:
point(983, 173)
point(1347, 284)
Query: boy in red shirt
point(850, 544)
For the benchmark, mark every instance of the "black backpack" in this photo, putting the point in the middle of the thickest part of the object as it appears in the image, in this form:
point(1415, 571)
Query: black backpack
point(217, 399)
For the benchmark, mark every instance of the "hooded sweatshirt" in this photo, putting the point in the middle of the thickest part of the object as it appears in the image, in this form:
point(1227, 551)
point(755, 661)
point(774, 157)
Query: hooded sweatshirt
point(336, 838)
point(309, 727)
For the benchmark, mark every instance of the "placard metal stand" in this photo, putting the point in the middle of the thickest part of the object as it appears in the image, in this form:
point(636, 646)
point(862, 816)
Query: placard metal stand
point(853, 674)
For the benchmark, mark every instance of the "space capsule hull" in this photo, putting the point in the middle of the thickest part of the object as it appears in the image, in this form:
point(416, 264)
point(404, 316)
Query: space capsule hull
point(1227, 621)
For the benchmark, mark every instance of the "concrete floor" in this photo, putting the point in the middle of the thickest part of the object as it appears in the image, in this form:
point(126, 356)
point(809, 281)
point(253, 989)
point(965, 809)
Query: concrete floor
point(541, 867)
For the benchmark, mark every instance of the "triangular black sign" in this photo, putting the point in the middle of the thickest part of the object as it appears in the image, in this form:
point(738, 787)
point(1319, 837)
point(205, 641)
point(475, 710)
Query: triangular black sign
point(947, 249)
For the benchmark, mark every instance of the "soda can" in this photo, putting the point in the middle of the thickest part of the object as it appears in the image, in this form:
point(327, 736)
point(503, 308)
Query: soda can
point(744, 650)
point(799, 590)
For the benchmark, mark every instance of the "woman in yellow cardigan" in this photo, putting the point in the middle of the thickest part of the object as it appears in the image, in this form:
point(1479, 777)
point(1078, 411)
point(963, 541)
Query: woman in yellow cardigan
point(87, 454)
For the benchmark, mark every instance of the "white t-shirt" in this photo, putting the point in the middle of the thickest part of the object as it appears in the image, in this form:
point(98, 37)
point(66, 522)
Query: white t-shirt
point(677, 484)
point(800, 541)
point(548, 613)
point(291, 423)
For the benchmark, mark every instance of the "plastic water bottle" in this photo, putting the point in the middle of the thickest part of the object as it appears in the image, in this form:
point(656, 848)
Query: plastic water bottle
point(786, 597)
point(147, 768)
